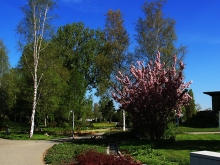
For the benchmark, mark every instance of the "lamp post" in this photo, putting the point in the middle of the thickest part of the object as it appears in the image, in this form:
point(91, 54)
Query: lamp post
point(73, 122)
point(123, 113)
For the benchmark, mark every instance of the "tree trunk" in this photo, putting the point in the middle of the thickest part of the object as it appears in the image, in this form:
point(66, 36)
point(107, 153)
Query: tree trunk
point(34, 102)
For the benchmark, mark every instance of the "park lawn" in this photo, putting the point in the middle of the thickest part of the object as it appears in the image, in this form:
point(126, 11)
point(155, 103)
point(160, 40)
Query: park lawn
point(168, 152)
point(22, 136)
point(191, 129)
point(103, 125)
point(186, 143)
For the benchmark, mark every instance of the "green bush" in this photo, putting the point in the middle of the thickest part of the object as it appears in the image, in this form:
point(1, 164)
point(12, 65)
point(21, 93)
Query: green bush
point(4, 121)
point(52, 124)
point(170, 132)
point(83, 125)
point(64, 125)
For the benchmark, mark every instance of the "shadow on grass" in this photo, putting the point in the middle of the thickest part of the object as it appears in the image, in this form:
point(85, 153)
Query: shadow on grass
point(194, 145)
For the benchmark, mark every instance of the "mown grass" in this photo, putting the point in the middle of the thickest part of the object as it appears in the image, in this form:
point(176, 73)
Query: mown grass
point(182, 129)
point(167, 152)
point(25, 136)
point(103, 125)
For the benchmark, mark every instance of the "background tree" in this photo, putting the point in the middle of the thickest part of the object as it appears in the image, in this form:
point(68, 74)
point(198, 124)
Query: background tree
point(198, 107)
point(108, 111)
point(103, 102)
point(156, 33)
point(4, 68)
point(190, 109)
point(96, 112)
point(117, 42)
point(32, 29)
point(79, 47)
point(152, 96)
point(4, 61)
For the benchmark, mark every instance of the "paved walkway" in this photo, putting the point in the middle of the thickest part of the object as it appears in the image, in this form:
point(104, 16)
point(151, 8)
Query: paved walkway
point(23, 152)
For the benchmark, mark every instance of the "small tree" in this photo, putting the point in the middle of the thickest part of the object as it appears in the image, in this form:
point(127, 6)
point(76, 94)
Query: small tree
point(190, 109)
point(152, 96)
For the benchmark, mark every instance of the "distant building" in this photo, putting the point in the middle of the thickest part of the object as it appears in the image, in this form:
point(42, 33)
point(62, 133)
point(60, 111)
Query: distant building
point(215, 100)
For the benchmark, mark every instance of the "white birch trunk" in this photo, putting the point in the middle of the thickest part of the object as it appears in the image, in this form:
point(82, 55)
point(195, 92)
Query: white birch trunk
point(35, 96)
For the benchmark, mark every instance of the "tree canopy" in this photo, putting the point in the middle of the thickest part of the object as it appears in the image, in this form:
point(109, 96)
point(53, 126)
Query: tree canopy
point(155, 33)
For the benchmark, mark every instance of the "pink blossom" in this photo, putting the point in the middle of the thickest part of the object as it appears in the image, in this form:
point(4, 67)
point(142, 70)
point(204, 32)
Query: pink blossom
point(155, 91)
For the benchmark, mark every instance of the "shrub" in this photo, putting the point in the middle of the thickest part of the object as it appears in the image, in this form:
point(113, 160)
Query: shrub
point(151, 95)
point(82, 125)
point(91, 157)
point(52, 124)
point(64, 125)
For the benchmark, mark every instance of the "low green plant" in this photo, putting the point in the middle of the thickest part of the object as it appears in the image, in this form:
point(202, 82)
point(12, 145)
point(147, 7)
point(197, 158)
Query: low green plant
point(65, 153)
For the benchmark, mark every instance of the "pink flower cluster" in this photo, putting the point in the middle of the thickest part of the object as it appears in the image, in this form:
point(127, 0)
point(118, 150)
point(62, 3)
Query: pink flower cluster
point(154, 91)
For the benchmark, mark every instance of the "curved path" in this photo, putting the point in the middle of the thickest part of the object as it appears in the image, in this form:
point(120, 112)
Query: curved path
point(23, 152)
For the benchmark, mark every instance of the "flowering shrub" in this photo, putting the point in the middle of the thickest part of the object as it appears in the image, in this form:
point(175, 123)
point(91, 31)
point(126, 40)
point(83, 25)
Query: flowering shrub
point(91, 157)
point(152, 96)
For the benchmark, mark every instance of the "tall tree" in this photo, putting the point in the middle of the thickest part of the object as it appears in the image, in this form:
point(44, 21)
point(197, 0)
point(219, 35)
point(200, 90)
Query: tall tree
point(152, 96)
point(4, 61)
point(8, 93)
point(117, 41)
point(4, 69)
point(190, 109)
point(79, 46)
point(32, 30)
point(156, 33)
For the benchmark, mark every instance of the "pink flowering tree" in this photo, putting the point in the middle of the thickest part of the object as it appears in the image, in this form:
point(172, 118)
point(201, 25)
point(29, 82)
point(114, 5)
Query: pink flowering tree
point(152, 95)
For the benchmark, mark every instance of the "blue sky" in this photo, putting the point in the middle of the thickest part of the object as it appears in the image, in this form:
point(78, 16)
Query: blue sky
point(197, 26)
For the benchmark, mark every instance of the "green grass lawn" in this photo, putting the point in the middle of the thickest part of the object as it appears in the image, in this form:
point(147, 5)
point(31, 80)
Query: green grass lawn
point(166, 152)
point(103, 125)
point(25, 136)
point(190, 129)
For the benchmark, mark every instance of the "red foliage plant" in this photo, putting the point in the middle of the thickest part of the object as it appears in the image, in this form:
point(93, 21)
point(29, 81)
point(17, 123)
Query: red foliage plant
point(153, 94)
point(91, 157)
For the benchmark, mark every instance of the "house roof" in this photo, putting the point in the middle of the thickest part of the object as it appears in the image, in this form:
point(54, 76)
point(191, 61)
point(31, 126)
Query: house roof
point(213, 93)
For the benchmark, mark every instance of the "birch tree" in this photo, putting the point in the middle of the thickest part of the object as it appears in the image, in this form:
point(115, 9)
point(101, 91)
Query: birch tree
point(155, 32)
point(117, 41)
point(33, 29)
